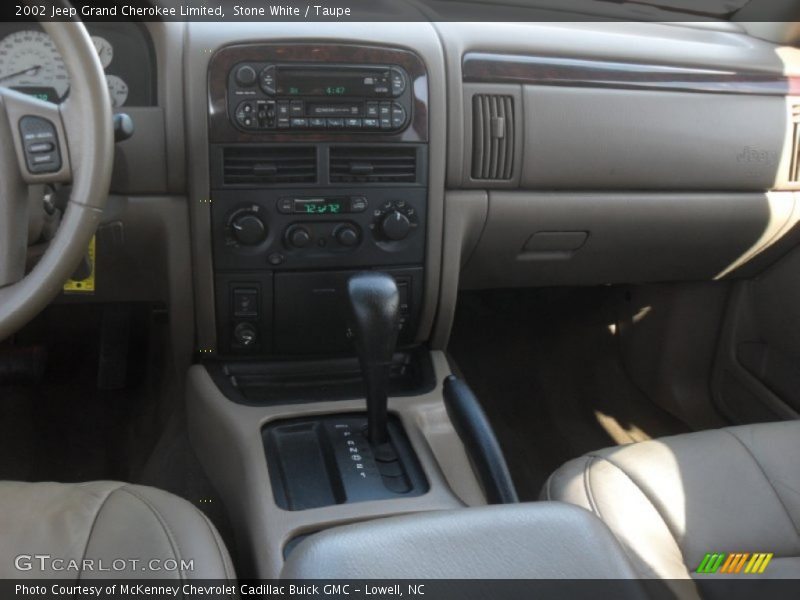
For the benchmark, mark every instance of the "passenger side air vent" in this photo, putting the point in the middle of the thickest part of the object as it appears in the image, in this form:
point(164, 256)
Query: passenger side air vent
point(794, 167)
point(269, 165)
point(373, 164)
point(492, 137)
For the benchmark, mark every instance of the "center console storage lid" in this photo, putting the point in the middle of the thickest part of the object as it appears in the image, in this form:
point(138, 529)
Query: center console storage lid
point(537, 540)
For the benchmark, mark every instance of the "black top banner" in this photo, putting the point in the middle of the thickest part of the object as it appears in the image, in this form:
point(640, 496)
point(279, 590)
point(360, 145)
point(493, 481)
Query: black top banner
point(399, 10)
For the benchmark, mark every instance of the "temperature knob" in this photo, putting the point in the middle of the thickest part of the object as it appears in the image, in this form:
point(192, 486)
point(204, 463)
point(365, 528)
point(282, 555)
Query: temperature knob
point(395, 226)
point(248, 229)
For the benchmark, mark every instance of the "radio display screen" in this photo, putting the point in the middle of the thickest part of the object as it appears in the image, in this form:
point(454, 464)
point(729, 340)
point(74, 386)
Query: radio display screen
point(327, 82)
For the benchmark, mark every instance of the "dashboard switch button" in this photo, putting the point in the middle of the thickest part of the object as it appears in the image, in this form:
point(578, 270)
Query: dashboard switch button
point(245, 302)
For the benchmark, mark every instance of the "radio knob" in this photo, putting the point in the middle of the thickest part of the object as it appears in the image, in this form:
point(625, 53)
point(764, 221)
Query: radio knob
point(245, 75)
point(395, 226)
point(347, 235)
point(298, 236)
point(248, 229)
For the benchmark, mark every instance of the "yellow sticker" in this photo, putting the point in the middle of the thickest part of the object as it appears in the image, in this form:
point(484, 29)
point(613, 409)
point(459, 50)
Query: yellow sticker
point(83, 286)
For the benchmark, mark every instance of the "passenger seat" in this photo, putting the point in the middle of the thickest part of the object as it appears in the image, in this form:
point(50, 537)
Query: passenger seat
point(672, 501)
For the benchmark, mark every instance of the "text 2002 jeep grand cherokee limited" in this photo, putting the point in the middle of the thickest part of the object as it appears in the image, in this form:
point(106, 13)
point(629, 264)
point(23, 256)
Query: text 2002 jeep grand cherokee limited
point(433, 299)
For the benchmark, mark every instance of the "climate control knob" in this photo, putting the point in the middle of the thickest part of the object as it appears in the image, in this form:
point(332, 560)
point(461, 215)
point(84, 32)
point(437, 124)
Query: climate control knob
point(298, 236)
point(248, 229)
point(395, 226)
point(347, 235)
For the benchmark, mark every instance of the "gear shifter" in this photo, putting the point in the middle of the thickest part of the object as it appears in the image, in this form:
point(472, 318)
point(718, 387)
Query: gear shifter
point(374, 311)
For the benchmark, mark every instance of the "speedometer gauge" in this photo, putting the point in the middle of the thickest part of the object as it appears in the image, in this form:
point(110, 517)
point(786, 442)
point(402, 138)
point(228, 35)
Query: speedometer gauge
point(118, 90)
point(30, 63)
point(105, 51)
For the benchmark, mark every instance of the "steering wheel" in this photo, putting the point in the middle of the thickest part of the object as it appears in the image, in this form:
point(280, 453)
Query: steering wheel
point(42, 142)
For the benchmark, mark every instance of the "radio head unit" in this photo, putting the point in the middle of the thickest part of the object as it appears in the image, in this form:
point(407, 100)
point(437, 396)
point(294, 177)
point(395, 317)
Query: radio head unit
point(268, 96)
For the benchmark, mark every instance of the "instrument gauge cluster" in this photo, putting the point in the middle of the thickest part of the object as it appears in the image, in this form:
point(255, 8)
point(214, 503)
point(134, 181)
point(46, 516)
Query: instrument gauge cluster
point(30, 63)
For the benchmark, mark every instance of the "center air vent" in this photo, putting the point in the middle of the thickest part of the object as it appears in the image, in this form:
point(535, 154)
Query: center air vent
point(373, 164)
point(266, 165)
point(492, 136)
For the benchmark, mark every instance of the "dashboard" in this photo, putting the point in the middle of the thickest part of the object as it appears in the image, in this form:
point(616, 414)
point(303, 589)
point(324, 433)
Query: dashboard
point(531, 154)
point(30, 62)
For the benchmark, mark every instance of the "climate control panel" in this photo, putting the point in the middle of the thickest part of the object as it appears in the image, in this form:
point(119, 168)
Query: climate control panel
point(270, 229)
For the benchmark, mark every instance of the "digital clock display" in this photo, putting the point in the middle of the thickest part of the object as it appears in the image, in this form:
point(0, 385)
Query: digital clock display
point(328, 82)
point(318, 207)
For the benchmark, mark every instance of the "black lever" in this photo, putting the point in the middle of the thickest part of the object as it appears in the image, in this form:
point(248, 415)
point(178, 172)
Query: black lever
point(374, 308)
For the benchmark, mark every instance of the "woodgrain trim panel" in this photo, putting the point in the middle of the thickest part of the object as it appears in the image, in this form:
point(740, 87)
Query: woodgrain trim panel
point(482, 67)
point(221, 130)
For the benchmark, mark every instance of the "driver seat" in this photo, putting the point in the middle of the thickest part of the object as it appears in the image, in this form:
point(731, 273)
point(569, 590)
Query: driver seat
point(74, 531)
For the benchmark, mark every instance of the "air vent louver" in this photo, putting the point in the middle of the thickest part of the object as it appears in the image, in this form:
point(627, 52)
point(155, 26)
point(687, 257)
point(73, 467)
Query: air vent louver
point(270, 165)
point(373, 164)
point(492, 136)
point(794, 167)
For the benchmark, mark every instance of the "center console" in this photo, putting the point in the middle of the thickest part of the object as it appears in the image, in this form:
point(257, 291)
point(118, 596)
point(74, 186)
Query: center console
point(319, 164)
point(317, 405)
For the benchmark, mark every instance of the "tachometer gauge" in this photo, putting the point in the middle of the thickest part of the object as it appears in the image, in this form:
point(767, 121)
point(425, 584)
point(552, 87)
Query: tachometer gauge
point(118, 90)
point(104, 50)
point(30, 63)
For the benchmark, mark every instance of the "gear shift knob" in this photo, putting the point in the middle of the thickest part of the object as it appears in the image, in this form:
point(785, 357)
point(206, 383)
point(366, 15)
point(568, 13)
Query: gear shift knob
point(374, 311)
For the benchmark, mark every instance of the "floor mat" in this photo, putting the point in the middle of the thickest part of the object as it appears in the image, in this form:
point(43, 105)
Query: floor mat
point(545, 365)
point(61, 427)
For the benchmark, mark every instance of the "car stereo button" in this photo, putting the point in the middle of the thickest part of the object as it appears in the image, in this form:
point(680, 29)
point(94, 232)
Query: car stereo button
point(317, 122)
point(352, 123)
point(398, 115)
point(398, 82)
point(336, 123)
point(371, 123)
point(267, 80)
point(296, 108)
point(299, 123)
point(245, 75)
point(372, 110)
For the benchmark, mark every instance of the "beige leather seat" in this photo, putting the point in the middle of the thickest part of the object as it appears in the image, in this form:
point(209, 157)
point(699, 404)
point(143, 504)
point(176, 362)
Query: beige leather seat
point(672, 500)
point(64, 531)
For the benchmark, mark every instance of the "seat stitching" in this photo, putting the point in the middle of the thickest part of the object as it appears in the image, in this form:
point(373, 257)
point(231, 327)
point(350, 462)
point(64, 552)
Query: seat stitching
point(649, 499)
point(547, 487)
point(162, 521)
point(91, 528)
point(587, 485)
point(633, 557)
point(766, 477)
point(228, 568)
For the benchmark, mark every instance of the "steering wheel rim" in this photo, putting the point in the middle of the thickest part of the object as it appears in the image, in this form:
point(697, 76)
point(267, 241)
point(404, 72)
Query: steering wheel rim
point(85, 139)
